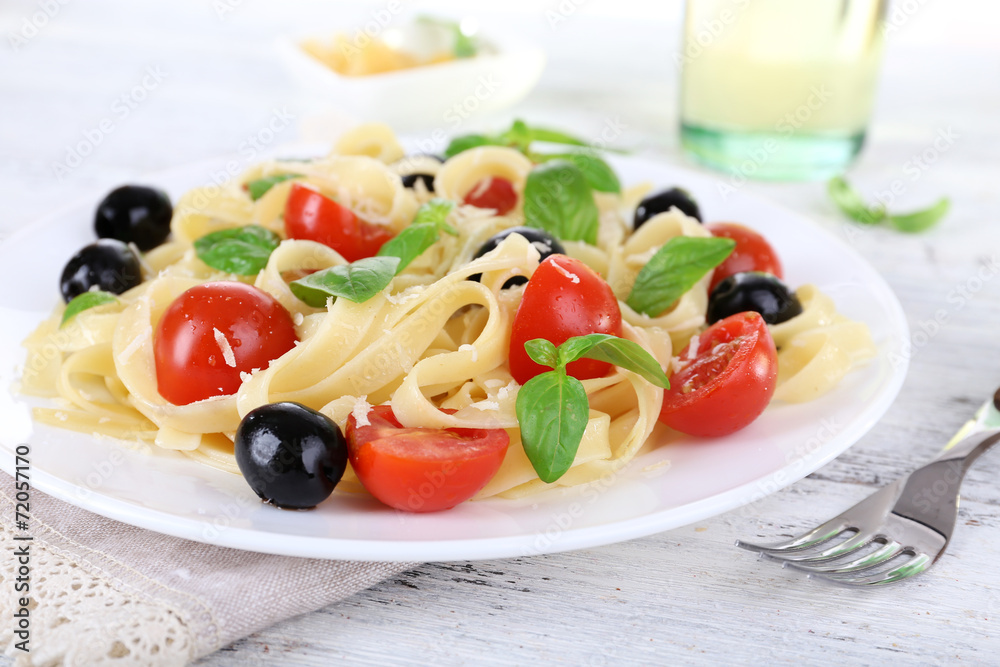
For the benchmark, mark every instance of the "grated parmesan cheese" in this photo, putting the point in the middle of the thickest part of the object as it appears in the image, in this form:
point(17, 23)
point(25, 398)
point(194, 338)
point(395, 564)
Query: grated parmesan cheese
point(486, 406)
point(227, 349)
point(693, 347)
point(409, 294)
point(133, 346)
point(361, 410)
point(470, 348)
point(298, 319)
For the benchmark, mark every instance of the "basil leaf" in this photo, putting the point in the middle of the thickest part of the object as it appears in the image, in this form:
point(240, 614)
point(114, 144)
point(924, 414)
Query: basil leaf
point(259, 186)
point(243, 250)
point(467, 141)
point(558, 200)
point(519, 136)
point(674, 269)
point(357, 281)
point(553, 411)
point(554, 137)
point(85, 301)
point(853, 206)
point(618, 351)
point(435, 211)
point(410, 244)
point(542, 352)
point(422, 233)
point(918, 221)
point(599, 174)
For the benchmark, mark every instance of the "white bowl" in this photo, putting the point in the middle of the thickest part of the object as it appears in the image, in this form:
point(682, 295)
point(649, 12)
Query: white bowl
point(442, 95)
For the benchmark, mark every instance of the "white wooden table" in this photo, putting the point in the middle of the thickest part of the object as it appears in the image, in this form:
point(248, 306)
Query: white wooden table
point(686, 595)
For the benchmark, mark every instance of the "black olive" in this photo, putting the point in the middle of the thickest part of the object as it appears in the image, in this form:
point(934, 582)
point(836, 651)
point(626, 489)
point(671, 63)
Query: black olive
point(411, 179)
point(109, 264)
point(135, 214)
point(756, 291)
point(661, 202)
point(544, 243)
point(290, 455)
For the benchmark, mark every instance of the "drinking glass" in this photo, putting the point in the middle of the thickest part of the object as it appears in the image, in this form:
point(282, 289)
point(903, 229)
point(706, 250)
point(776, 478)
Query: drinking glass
point(779, 89)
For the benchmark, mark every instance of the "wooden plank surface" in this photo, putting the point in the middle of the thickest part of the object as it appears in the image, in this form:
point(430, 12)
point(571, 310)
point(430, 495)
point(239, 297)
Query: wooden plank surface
point(686, 595)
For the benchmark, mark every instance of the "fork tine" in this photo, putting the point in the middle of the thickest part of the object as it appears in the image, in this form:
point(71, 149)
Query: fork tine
point(821, 533)
point(881, 555)
point(912, 567)
point(838, 550)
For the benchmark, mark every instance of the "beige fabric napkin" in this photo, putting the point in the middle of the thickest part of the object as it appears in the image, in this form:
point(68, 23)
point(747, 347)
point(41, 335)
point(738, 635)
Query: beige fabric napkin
point(106, 593)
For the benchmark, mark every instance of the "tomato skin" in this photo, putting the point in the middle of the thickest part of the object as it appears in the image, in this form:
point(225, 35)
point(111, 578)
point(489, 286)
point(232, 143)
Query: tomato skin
point(422, 469)
point(312, 216)
point(728, 384)
point(191, 365)
point(556, 308)
point(752, 253)
point(493, 192)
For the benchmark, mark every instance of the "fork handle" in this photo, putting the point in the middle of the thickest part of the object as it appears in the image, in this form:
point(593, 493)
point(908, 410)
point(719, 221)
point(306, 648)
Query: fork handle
point(970, 448)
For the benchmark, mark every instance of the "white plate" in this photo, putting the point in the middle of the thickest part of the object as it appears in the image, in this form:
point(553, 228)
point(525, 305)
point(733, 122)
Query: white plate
point(668, 487)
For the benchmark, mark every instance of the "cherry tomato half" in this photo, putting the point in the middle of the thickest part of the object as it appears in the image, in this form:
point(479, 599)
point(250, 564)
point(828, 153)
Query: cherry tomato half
point(422, 469)
point(564, 298)
point(212, 333)
point(493, 192)
point(728, 383)
point(752, 253)
point(312, 216)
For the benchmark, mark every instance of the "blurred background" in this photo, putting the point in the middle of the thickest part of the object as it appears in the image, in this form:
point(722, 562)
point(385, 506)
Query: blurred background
point(194, 79)
point(96, 93)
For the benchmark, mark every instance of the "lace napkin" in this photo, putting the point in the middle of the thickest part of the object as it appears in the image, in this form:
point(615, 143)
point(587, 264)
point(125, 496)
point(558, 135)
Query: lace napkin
point(106, 593)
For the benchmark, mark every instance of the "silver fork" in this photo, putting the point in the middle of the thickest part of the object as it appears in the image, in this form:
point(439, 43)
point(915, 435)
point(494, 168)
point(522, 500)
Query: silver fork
point(900, 530)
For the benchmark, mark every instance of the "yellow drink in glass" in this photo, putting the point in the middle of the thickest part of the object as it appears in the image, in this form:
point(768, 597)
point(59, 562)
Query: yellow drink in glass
point(779, 89)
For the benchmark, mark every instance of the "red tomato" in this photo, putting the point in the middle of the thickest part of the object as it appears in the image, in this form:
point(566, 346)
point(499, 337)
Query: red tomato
point(422, 469)
point(564, 298)
point(212, 333)
point(493, 192)
point(728, 383)
point(311, 216)
point(752, 253)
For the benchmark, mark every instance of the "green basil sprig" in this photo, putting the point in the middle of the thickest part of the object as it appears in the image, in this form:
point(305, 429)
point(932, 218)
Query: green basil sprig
point(599, 174)
point(364, 278)
point(357, 281)
point(853, 206)
point(85, 301)
point(519, 136)
point(552, 407)
point(674, 269)
point(258, 187)
point(242, 250)
point(558, 199)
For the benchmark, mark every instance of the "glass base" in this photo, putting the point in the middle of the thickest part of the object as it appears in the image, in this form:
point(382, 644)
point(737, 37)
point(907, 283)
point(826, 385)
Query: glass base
point(772, 155)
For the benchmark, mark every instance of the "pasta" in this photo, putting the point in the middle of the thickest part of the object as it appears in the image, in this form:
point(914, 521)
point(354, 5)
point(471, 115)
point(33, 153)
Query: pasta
point(433, 345)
